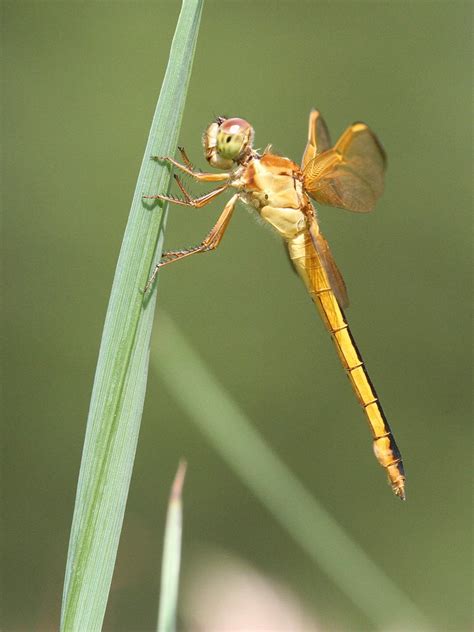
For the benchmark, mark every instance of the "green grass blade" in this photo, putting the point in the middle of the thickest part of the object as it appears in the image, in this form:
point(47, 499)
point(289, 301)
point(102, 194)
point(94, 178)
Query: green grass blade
point(322, 538)
point(120, 380)
point(171, 555)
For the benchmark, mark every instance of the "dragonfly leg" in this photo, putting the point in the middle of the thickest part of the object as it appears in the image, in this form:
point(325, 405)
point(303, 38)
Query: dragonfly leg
point(188, 200)
point(186, 195)
point(190, 171)
point(185, 159)
point(210, 242)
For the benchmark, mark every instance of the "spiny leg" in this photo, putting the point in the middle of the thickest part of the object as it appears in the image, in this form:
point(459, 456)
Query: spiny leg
point(210, 242)
point(187, 197)
point(185, 159)
point(190, 171)
point(189, 201)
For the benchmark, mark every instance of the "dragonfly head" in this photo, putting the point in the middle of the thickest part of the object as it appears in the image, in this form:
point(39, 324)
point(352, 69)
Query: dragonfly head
point(227, 141)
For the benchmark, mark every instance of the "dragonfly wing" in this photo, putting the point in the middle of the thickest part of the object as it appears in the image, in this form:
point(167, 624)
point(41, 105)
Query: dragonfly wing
point(290, 260)
point(350, 175)
point(318, 138)
point(332, 271)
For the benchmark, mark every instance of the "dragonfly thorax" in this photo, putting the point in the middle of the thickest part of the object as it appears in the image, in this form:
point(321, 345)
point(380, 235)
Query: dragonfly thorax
point(227, 141)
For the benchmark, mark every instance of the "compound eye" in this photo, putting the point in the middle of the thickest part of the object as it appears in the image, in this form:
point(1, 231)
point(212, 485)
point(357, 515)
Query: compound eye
point(233, 138)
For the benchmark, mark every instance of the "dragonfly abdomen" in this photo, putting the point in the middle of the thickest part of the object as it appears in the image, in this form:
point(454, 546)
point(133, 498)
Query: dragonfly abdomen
point(310, 268)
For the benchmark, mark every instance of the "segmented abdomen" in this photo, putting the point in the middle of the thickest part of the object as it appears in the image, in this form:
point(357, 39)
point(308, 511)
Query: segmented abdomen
point(310, 268)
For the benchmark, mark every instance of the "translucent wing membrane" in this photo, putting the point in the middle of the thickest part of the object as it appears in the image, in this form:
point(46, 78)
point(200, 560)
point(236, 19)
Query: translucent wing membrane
point(333, 273)
point(318, 138)
point(320, 288)
point(349, 176)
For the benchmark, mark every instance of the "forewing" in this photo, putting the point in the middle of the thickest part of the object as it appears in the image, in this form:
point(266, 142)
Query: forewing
point(332, 271)
point(349, 176)
point(318, 138)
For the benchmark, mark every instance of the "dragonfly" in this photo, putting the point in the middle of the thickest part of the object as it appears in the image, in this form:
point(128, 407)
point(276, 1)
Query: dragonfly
point(348, 175)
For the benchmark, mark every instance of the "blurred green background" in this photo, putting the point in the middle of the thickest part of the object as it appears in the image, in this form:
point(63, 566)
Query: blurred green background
point(80, 85)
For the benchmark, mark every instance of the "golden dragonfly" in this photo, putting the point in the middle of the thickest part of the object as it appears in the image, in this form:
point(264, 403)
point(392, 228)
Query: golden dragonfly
point(348, 175)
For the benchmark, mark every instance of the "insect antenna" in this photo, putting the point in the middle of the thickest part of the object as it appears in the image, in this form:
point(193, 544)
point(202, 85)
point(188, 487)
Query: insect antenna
point(219, 119)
